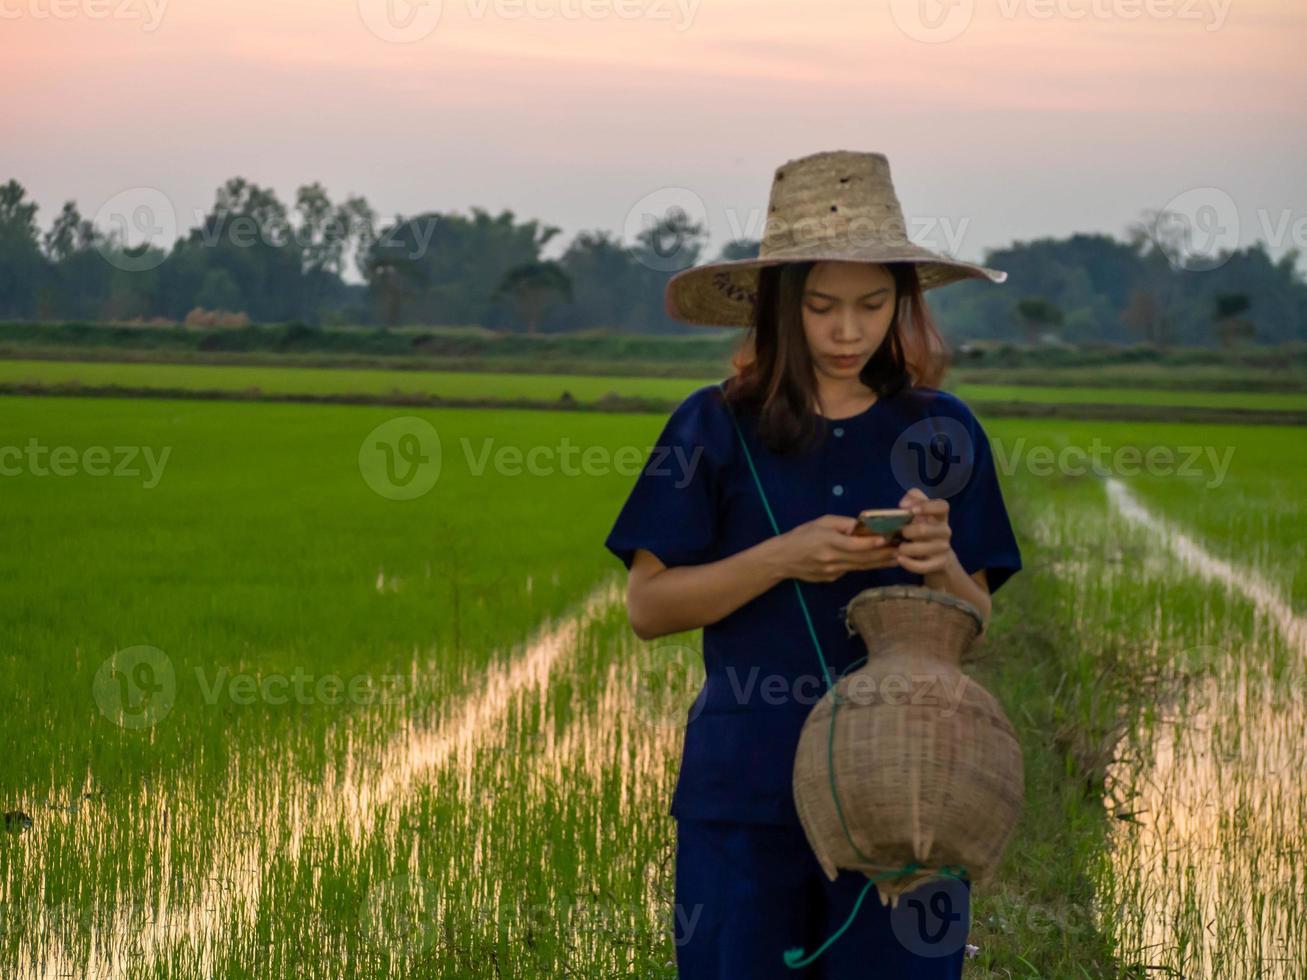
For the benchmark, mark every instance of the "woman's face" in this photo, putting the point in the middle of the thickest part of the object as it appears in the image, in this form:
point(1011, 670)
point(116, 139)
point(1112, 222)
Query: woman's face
point(847, 309)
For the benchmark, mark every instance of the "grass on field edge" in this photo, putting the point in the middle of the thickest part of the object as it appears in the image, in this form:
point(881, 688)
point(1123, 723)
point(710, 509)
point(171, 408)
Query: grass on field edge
point(660, 406)
point(1234, 376)
point(1037, 917)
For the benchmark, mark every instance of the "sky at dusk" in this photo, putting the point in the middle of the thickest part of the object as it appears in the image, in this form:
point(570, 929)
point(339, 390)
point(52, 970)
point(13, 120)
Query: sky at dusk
point(1001, 119)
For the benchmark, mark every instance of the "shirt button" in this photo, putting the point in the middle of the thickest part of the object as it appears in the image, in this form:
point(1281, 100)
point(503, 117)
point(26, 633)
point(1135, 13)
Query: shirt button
point(839, 431)
point(837, 490)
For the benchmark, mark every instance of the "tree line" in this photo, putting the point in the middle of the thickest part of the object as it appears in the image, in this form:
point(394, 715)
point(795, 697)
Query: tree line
point(254, 258)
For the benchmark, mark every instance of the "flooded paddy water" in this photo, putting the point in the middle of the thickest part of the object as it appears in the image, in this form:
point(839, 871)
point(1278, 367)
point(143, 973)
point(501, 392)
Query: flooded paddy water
point(505, 815)
point(1200, 750)
point(1211, 860)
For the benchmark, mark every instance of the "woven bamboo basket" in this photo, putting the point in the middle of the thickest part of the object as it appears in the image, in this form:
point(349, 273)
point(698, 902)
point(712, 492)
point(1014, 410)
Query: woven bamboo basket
point(926, 767)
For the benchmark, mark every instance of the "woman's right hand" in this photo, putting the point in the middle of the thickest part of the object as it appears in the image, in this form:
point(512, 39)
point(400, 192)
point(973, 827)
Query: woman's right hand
point(825, 548)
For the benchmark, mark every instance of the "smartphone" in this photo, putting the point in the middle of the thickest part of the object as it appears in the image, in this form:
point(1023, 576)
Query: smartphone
point(888, 522)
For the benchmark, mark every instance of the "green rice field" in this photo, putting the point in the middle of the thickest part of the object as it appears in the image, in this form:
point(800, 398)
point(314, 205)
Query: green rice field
point(349, 691)
point(584, 388)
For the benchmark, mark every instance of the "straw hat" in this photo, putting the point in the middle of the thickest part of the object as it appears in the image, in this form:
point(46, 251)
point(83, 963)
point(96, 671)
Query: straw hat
point(834, 205)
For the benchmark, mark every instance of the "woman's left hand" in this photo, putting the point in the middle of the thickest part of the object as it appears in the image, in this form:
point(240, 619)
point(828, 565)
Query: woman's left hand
point(926, 547)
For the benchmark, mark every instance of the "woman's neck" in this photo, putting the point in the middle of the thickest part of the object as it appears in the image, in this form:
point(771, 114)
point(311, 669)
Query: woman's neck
point(840, 399)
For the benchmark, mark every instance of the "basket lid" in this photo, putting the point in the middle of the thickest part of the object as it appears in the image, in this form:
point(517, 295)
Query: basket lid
point(915, 593)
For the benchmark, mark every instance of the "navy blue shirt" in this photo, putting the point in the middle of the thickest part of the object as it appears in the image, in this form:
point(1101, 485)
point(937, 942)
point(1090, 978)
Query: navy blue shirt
point(695, 501)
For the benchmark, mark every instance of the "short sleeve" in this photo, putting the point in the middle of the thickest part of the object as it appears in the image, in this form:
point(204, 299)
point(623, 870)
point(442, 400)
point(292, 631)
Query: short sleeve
point(672, 510)
point(982, 532)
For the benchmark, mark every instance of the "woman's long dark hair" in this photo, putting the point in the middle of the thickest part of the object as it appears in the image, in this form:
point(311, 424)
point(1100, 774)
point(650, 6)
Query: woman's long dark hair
point(774, 370)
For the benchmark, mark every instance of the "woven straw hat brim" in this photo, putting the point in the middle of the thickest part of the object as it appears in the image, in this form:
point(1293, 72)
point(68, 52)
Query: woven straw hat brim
point(836, 205)
point(722, 294)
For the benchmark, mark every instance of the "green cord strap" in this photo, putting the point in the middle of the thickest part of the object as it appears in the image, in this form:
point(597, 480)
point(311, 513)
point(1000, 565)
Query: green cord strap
point(794, 957)
point(776, 529)
point(812, 632)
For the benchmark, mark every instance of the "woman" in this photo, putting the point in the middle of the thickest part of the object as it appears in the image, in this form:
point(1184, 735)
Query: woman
point(833, 394)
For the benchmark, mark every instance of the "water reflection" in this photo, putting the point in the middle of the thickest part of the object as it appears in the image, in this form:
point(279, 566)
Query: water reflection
point(199, 867)
point(1207, 869)
point(1211, 861)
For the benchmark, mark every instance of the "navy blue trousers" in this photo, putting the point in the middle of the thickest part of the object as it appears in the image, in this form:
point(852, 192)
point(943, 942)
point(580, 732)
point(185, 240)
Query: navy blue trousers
point(746, 893)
